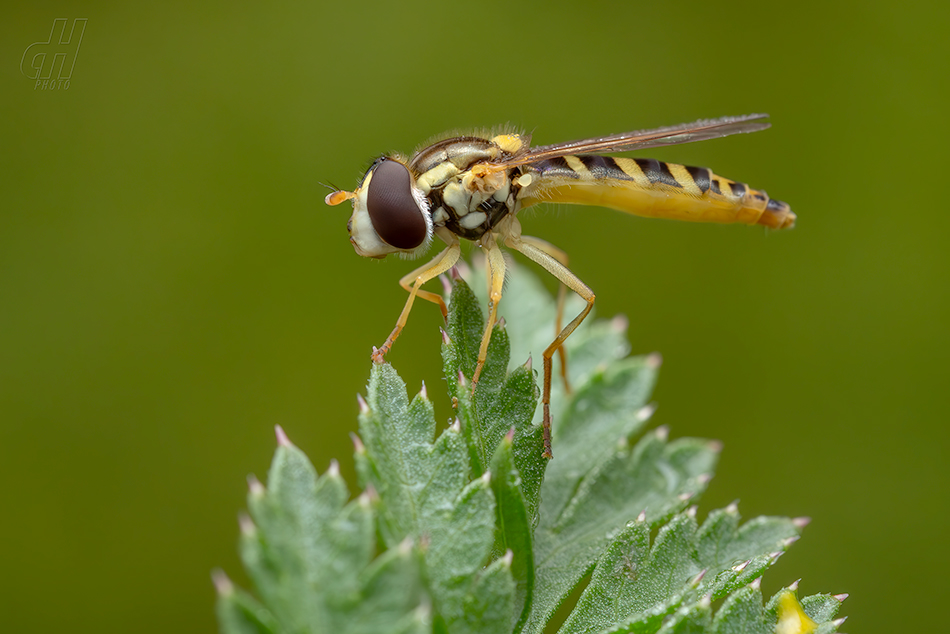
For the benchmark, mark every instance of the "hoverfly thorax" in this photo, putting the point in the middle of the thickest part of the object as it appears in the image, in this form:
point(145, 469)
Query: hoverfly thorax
point(390, 213)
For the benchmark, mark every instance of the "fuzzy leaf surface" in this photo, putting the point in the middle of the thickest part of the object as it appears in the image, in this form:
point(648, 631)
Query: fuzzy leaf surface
point(310, 555)
point(503, 400)
point(634, 581)
point(426, 493)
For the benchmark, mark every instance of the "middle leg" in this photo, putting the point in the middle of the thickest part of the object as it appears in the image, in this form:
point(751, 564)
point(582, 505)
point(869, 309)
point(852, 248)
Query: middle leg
point(495, 262)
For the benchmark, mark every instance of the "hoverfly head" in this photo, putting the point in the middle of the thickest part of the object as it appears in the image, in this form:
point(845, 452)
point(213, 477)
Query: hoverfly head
point(390, 214)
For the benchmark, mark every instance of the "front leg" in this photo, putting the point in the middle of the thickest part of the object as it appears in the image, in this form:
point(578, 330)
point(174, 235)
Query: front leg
point(442, 263)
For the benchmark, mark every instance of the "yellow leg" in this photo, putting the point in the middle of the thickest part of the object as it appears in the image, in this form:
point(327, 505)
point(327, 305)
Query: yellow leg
point(407, 280)
point(442, 263)
point(561, 272)
point(558, 321)
point(496, 281)
point(560, 256)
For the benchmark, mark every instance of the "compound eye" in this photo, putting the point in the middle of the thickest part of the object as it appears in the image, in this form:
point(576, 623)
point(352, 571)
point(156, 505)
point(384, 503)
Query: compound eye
point(395, 214)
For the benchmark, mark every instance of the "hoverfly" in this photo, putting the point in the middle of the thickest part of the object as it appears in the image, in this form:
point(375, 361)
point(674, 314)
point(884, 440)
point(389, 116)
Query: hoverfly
point(473, 187)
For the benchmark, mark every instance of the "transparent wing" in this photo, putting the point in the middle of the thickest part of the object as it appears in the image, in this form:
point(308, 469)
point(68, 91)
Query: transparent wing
point(672, 135)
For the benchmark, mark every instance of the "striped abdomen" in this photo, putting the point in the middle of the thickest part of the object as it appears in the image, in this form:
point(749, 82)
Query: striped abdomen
point(647, 187)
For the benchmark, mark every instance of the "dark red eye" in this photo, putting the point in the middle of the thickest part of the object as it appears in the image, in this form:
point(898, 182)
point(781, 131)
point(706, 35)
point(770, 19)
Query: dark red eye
point(395, 214)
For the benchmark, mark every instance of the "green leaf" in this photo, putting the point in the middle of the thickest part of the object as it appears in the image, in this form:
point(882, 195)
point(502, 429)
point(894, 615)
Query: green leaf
point(513, 525)
point(239, 613)
point(742, 613)
point(653, 477)
point(695, 618)
point(489, 608)
point(502, 400)
point(821, 609)
point(634, 583)
point(425, 493)
point(310, 555)
point(414, 477)
point(734, 556)
point(478, 533)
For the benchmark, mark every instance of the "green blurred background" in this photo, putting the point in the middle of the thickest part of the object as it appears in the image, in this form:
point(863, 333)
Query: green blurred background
point(171, 284)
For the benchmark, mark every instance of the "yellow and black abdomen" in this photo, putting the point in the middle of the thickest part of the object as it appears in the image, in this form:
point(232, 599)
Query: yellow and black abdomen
point(651, 188)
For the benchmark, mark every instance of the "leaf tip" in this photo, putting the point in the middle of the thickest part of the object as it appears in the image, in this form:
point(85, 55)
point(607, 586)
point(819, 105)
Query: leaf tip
point(364, 500)
point(528, 364)
point(756, 583)
point(714, 446)
point(282, 438)
point(662, 433)
point(446, 284)
point(405, 547)
point(485, 480)
point(840, 622)
point(509, 557)
point(685, 497)
point(741, 566)
point(246, 525)
point(642, 517)
point(461, 380)
point(733, 507)
point(422, 614)
point(423, 393)
point(361, 402)
point(841, 597)
point(222, 584)
point(801, 522)
point(694, 582)
point(446, 340)
point(456, 426)
point(358, 445)
point(691, 511)
point(620, 323)
point(704, 478)
point(500, 324)
point(774, 556)
point(654, 360)
point(334, 469)
point(372, 497)
point(793, 586)
point(645, 412)
point(254, 486)
point(788, 541)
point(510, 436)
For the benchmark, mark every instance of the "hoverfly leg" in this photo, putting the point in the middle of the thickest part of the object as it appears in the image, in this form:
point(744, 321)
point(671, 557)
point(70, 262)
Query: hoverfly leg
point(532, 248)
point(411, 282)
point(558, 321)
point(495, 264)
point(561, 256)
